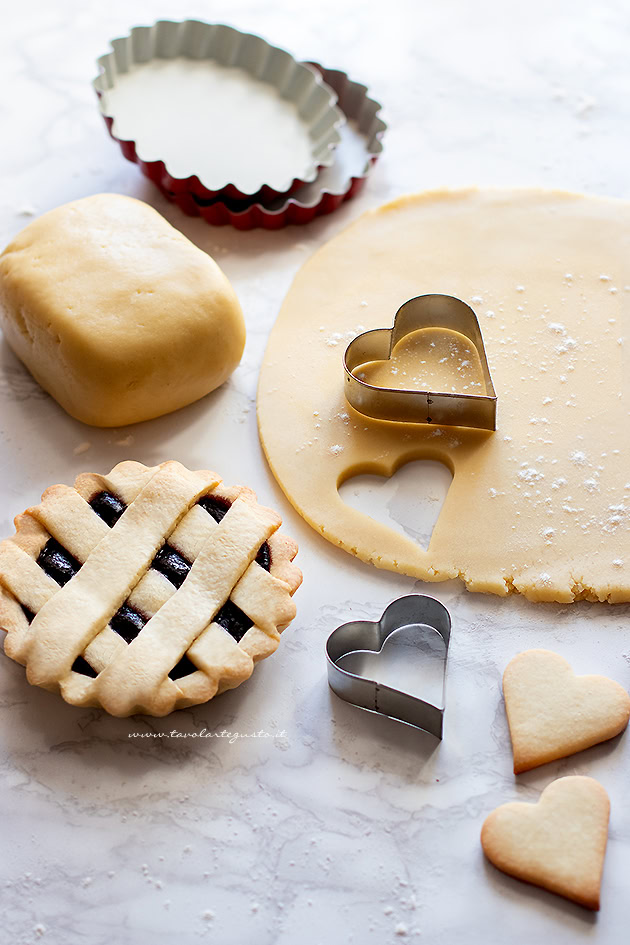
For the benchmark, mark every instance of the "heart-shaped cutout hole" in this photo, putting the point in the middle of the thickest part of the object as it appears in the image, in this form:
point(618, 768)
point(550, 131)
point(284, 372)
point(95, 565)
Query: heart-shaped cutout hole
point(429, 359)
point(412, 660)
point(410, 501)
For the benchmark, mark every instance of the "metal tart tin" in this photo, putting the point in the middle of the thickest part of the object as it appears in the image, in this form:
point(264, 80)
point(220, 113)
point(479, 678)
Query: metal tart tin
point(266, 68)
point(356, 154)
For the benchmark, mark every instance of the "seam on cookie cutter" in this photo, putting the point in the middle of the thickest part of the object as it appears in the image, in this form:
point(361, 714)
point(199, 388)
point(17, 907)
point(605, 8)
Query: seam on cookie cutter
point(418, 406)
point(371, 635)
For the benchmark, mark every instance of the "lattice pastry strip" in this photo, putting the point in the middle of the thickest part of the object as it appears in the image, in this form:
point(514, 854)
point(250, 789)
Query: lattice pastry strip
point(145, 590)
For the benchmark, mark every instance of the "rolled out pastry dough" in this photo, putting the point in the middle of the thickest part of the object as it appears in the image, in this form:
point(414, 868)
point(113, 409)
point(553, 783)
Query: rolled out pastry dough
point(116, 313)
point(542, 506)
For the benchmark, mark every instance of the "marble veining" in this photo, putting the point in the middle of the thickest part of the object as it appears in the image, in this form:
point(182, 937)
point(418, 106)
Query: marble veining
point(326, 824)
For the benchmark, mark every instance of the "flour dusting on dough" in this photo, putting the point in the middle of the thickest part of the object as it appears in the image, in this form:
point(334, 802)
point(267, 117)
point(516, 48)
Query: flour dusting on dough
point(535, 508)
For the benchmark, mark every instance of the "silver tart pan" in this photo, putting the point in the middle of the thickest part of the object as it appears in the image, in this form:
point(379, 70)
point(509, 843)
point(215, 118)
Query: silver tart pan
point(360, 147)
point(227, 47)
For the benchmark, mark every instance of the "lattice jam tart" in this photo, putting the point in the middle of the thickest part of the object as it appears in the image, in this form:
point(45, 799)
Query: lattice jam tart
point(146, 590)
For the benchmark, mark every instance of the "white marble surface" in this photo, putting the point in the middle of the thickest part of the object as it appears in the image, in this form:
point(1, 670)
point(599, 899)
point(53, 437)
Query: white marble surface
point(348, 828)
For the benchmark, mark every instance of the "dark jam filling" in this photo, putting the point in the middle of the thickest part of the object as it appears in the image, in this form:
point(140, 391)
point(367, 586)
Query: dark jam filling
point(184, 668)
point(30, 616)
point(215, 506)
point(232, 619)
point(127, 622)
point(108, 507)
point(57, 562)
point(172, 565)
point(82, 666)
point(263, 558)
point(60, 565)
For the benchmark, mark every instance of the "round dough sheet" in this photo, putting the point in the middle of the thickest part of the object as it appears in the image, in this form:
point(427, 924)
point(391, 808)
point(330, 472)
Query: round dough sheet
point(540, 507)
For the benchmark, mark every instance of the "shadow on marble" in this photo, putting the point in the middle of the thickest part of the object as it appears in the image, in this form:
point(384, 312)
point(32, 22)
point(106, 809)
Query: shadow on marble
point(50, 422)
point(89, 739)
point(223, 241)
point(511, 888)
point(582, 763)
point(364, 737)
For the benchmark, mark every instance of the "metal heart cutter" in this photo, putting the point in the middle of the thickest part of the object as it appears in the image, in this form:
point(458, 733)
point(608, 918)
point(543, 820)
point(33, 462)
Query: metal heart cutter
point(420, 406)
point(365, 635)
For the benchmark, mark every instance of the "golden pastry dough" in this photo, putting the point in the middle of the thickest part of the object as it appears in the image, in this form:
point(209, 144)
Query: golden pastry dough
point(558, 843)
point(116, 313)
point(552, 713)
point(542, 506)
point(428, 359)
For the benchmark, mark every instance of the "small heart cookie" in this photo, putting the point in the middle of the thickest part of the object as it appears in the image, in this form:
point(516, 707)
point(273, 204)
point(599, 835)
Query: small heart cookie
point(553, 713)
point(558, 843)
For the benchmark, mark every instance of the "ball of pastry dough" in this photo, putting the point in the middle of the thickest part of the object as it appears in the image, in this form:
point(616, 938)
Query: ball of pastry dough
point(116, 313)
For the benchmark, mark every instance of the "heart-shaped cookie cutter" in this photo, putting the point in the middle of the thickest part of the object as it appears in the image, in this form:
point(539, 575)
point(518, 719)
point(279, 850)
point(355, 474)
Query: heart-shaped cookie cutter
point(419, 406)
point(371, 635)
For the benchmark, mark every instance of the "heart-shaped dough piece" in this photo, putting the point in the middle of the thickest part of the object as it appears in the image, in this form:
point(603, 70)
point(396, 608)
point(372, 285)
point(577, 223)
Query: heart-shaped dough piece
point(558, 843)
point(553, 713)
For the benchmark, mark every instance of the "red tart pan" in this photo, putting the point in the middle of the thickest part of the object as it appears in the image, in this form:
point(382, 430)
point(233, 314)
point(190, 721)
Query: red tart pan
point(208, 111)
point(355, 155)
point(344, 137)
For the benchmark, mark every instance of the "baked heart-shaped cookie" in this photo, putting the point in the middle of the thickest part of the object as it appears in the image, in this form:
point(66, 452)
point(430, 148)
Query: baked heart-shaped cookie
point(558, 843)
point(553, 713)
